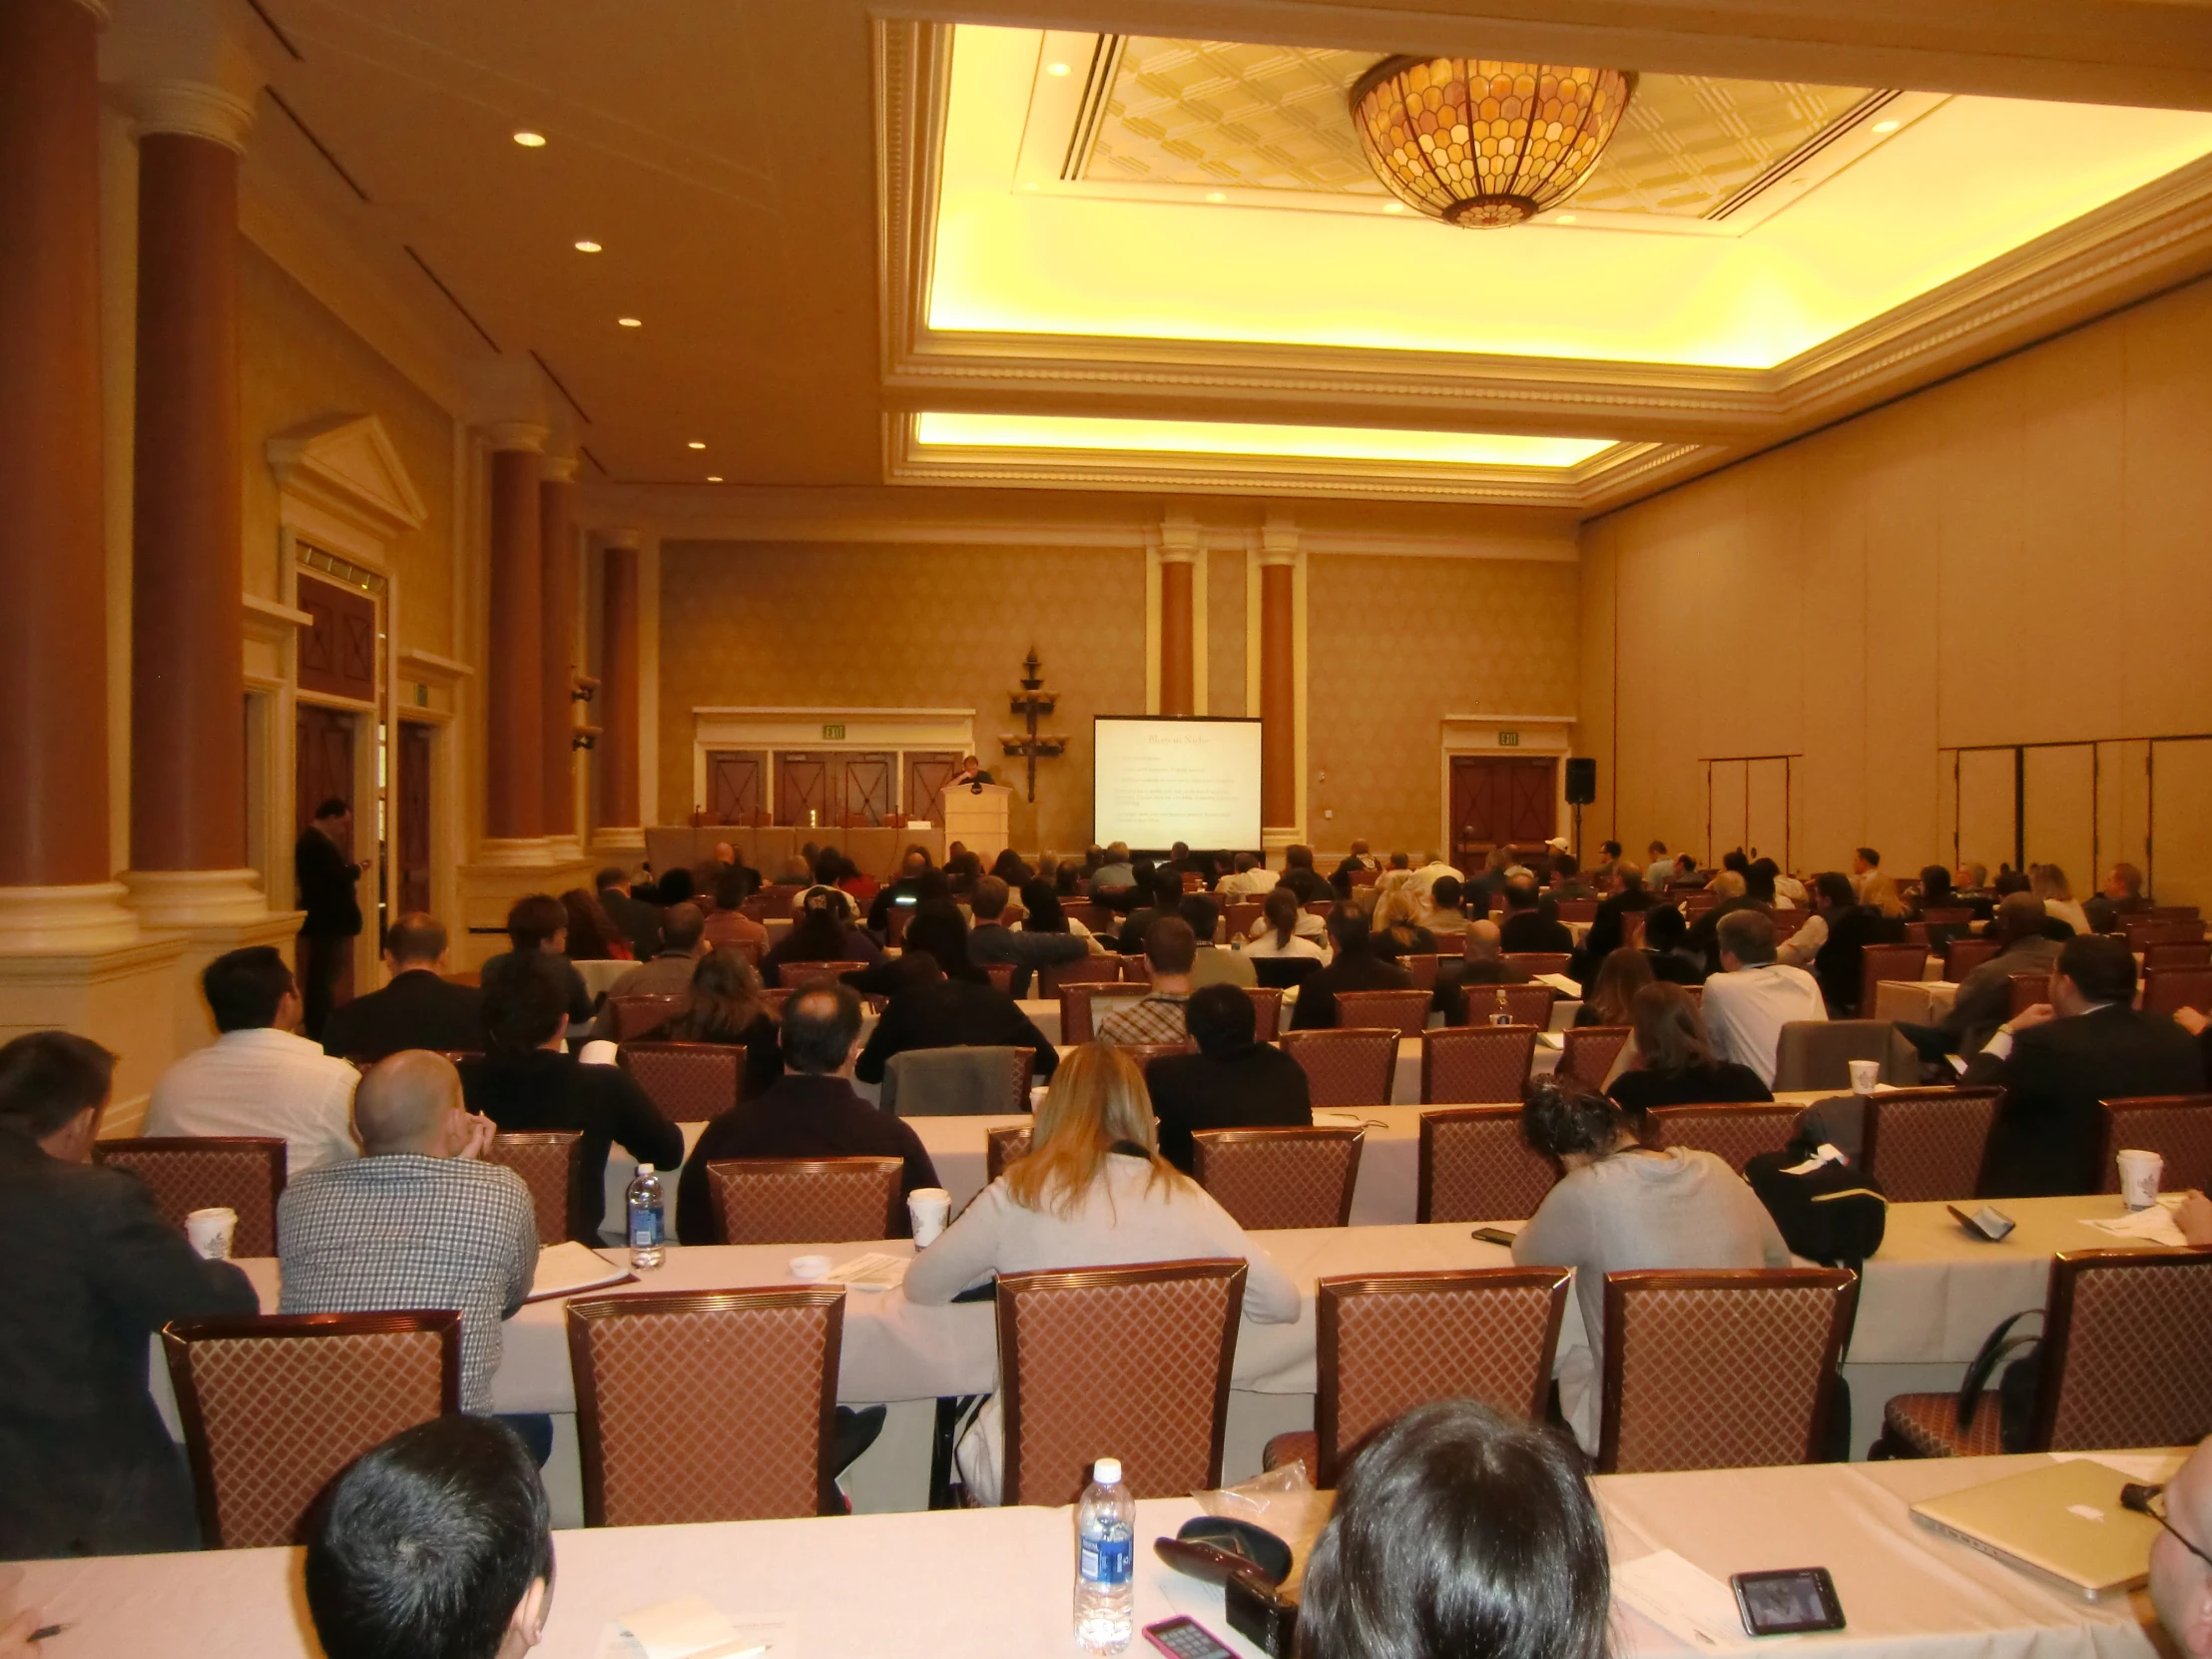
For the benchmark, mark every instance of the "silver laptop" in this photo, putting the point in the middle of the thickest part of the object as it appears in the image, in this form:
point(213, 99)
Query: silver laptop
point(2062, 1524)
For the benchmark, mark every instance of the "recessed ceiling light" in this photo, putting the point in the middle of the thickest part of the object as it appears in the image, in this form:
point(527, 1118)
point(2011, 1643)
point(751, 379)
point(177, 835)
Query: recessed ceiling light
point(631, 322)
point(1564, 219)
point(1214, 196)
point(1056, 69)
point(1888, 126)
point(587, 247)
point(714, 477)
point(530, 140)
point(1030, 183)
point(695, 444)
point(1394, 207)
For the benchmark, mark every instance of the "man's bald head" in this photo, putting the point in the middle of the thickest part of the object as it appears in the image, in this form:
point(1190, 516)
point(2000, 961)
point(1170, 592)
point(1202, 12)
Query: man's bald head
point(1483, 939)
point(2180, 1581)
point(2020, 917)
point(406, 1104)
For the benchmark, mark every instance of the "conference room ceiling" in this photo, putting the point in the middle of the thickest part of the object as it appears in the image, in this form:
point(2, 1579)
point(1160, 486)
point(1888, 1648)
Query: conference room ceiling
point(862, 250)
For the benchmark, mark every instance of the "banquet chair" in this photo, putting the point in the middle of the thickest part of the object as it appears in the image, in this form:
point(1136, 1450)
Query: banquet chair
point(2178, 1127)
point(957, 1082)
point(1277, 1178)
point(1888, 961)
point(1242, 916)
point(1817, 1053)
point(1388, 1342)
point(1475, 1166)
point(806, 1200)
point(1090, 913)
point(1577, 909)
point(551, 1164)
point(2028, 989)
point(273, 1408)
point(1475, 1064)
point(1345, 1067)
point(1142, 1054)
point(1084, 970)
point(1078, 1020)
point(2141, 935)
point(1721, 1370)
point(1733, 1133)
point(245, 1173)
point(1133, 1358)
point(1452, 946)
point(1001, 977)
point(1281, 972)
point(2178, 954)
point(1002, 1147)
point(792, 976)
point(1421, 965)
point(1533, 962)
point(2126, 1359)
point(716, 1406)
point(1962, 956)
point(1528, 1005)
point(2168, 989)
point(1267, 1013)
point(773, 997)
point(1947, 915)
point(636, 1015)
point(688, 1082)
point(1925, 1146)
point(1405, 1011)
point(1590, 1050)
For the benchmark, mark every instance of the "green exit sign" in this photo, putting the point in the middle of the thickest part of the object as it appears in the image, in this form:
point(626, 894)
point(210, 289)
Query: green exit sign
point(1508, 740)
point(833, 734)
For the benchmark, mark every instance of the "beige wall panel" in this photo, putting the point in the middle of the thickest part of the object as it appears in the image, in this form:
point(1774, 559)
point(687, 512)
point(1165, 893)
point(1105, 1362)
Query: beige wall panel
point(1225, 632)
point(1724, 809)
point(1593, 733)
point(2126, 778)
point(2164, 504)
point(1662, 783)
point(2181, 823)
point(1906, 492)
point(1829, 781)
point(2058, 811)
point(1967, 539)
point(1767, 810)
point(1985, 807)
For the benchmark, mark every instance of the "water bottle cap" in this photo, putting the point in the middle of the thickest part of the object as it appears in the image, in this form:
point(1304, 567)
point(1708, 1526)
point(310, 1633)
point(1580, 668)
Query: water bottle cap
point(644, 1169)
point(1107, 1472)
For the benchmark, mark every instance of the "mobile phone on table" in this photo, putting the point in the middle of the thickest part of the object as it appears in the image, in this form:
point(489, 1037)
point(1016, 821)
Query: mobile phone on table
point(1494, 1235)
point(1788, 1603)
point(1186, 1639)
point(1988, 1221)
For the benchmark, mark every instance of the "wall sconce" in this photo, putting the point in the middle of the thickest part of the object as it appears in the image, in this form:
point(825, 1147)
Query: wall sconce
point(584, 737)
point(581, 688)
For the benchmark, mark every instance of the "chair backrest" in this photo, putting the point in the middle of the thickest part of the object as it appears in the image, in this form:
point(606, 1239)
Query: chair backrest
point(707, 1408)
point(805, 1201)
point(1242, 915)
point(2168, 989)
point(2144, 932)
point(1732, 1133)
point(2029, 989)
point(1134, 969)
point(1591, 1050)
point(1925, 1146)
point(774, 996)
point(1539, 961)
point(792, 976)
point(957, 1082)
point(1576, 910)
point(1084, 970)
point(1387, 1343)
point(1947, 915)
point(1421, 965)
point(1275, 1177)
point(185, 1173)
point(1001, 1147)
point(1078, 1016)
point(1817, 1055)
point(1404, 1011)
point(1267, 1013)
point(2178, 954)
point(1962, 956)
point(1281, 972)
point(272, 1407)
point(2178, 1127)
point(1474, 1165)
point(1128, 1362)
point(1142, 1054)
point(1093, 916)
point(688, 1082)
point(2128, 1351)
point(1632, 928)
point(1001, 977)
point(1720, 1370)
point(636, 1015)
point(551, 1164)
point(1528, 1005)
point(1475, 1064)
point(1346, 1067)
point(1888, 961)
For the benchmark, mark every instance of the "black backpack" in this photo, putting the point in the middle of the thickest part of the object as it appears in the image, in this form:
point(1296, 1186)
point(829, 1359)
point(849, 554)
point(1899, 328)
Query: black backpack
point(1834, 1213)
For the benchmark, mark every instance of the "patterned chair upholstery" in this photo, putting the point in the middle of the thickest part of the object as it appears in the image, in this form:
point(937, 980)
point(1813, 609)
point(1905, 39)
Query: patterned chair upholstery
point(1533, 962)
point(2168, 989)
point(185, 1173)
point(1577, 909)
point(1475, 1064)
point(1406, 1013)
point(1591, 1050)
point(1421, 965)
point(1275, 1178)
point(792, 976)
point(1720, 1370)
point(1242, 916)
point(272, 1407)
point(1388, 1342)
point(1888, 961)
point(707, 1407)
point(1632, 928)
point(1521, 1004)
point(2127, 1361)
point(1734, 1134)
point(1962, 956)
point(1135, 970)
point(2178, 954)
point(805, 1201)
point(688, 1082)
point(551, 1164)
point(1084, 970)
point(1267, 1013)
point(1001, 1147)
point(2029, 989)
point(1001, 977)
point(2142, 935)
point(1132, 1359)
point(957, 1082)
point(636, 1015)
point(1925, 1146)
point(1345, 1068)
point(2178, 1127)
point(1474, 1165)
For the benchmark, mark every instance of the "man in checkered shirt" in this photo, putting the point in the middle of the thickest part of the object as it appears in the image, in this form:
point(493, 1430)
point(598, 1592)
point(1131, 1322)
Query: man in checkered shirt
point(416, 1222)
point(1169, 950)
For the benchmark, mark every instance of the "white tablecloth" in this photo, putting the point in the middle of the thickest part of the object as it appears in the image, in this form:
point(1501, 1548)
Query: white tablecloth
point(1919, 1001)
point(600, 978)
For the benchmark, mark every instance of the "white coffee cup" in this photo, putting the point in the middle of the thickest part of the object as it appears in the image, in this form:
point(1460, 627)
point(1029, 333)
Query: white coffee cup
point(929, 1208)
point(210, 1232)
point(810, 1266)
point(1865, 1074)
point(2139, 1173)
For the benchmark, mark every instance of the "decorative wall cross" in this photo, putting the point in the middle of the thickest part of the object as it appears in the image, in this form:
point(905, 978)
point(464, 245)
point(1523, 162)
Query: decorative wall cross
point(1030, 702)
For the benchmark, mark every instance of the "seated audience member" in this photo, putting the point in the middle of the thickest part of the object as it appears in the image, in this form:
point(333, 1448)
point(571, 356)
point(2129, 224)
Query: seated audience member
point(725, 1006)
point(1758, 884)
point(1166, 900)
point(2057, 1060)
point(1250, 876)
point(639, 921)
point(1434, 870)
point(1565, 872)
point(1734, 894)
point(437, 1544)
point(1935, 893)
point(418, 1220)
point(1789, 890)
point(1529, 925)
point(1041, 913)
point(1666, 944)
point(1984, 998)
point(1622, 1205)
point(1620, 976)
point(1157, 1016)
point(1674, 1063)
point(823, 932)
point(1213, 964)
point(1838, 956)
point(537, 925)
point(1395, 930)
point(811, 1111)
point(527, 1081)
point(592, 933)
point(726, 923)
point(95, 1272)
point(1753, 997)
point(833, 868)
point(2180, 1571)
point(415, 1009)
point(1865, 863)
point(1686, 873)
point(1660, 871)
point(679, 886)
point(1880, 895)
point(2048, 884)
point(1485, 964)
point(992, 940)
point(1354, 968)
point(1009, 867)
point(1115, 876)
point(1231, 1082)
point(260, 1076)
point(2122, 896)
point(1607, 929)
point(798, 871)
point(1446, 911)
point(1454, 1534)
point(1287, 929)
point(1357, 860)
point(1304, 881)
point(1485, 888)
point(683, 931)
point(940, 999)
point(905, 890)
point(1094, 1191)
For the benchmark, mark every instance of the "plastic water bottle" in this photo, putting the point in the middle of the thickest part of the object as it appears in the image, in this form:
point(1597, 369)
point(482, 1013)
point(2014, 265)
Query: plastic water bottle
point(646, 1237)
point(1105, 1562)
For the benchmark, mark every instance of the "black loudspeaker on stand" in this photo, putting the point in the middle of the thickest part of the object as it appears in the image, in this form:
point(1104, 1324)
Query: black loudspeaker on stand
point(1581, 791)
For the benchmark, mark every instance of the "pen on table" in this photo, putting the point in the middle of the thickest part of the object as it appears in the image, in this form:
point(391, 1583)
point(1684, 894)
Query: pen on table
point(46, 1631)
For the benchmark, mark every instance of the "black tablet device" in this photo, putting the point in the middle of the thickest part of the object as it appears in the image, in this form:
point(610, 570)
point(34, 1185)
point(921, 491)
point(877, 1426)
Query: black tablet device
point(1786, 1603)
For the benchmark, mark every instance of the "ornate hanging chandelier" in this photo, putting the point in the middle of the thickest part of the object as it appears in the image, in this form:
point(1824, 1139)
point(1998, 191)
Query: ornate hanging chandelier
point(1483, 143)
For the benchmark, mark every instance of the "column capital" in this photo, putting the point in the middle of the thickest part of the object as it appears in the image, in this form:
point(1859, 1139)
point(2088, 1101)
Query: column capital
point(191, 109)
point(506, 402)
point(1178, 539)
point(558, 469)
point(627, 537)
point(1279, 538)
point(186, 67)
point(514, 434)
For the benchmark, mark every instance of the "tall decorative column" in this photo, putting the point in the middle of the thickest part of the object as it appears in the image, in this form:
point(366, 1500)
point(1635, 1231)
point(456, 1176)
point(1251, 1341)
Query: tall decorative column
point(621, 825)
point(514, 677)
point(1178, 651)
point(558, 654)
point(1278, 677)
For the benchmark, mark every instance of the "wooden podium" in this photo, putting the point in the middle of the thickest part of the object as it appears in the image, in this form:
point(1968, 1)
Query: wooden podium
point(975, 817)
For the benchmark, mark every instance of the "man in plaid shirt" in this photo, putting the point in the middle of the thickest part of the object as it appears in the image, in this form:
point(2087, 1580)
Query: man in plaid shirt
point(1169, 950)
point(416, 1222)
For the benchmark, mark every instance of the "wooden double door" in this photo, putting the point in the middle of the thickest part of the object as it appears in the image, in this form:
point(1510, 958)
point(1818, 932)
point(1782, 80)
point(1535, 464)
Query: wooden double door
point(1503, 800)
point(822, 789)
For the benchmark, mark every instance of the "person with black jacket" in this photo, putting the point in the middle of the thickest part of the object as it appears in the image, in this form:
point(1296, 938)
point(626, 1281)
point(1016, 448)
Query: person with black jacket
point(537, 927)
point(418, 1009)
point(940, 999)
point(1231, 1082)
point(1354, 968)
point(1674, 1063)
point(1301, 877)
point(640, 922)
point(325, 880)
point(1531, 923)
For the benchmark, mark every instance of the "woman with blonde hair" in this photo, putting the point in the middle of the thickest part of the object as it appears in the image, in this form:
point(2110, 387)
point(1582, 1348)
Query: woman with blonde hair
point(1880, 895)
point(2048, 884)
point(1093, 1191)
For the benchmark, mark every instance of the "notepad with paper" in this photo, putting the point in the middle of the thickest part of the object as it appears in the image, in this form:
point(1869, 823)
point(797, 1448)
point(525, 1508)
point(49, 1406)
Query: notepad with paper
point(568, 1267)
point(691, 1628)
point(875, 1271)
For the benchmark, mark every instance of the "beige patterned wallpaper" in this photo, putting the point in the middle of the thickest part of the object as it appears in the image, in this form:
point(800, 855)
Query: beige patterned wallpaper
point(1396, 644)
point(1225, 632)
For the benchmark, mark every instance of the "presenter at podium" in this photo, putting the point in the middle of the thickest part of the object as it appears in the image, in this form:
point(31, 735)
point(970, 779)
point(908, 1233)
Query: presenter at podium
point(971, 772)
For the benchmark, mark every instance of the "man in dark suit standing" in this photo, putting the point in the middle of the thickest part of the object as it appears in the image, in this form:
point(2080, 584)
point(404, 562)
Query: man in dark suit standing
point(85, 1462)
point(324, 877)
point(640, 922)
point(1356, 967)
point(1231, 1082)
point(417, 1008)
point(2059, 1059)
